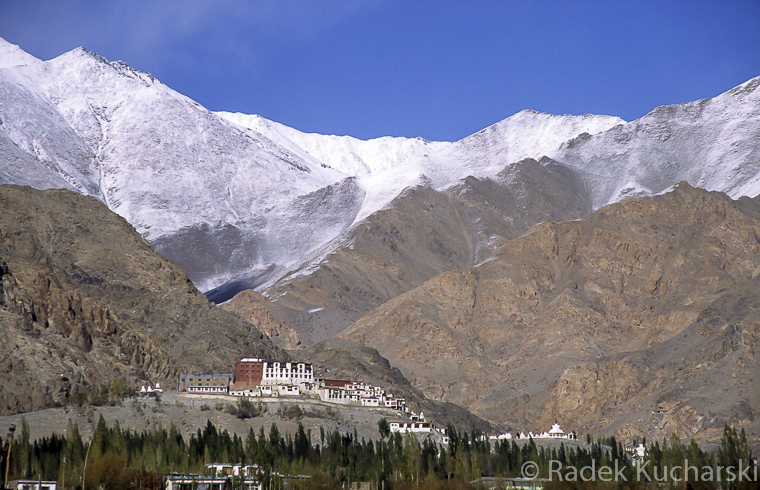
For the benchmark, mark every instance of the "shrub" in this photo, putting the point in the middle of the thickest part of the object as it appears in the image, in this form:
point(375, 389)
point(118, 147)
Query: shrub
point(246, 409)
point(291, 412)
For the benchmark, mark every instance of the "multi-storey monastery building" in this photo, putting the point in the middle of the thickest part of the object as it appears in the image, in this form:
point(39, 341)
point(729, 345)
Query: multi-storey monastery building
point(256, 377)
point(252, 371)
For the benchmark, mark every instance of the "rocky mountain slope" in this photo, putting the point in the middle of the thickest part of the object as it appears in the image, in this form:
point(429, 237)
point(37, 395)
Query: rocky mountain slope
point(637, 319)
point(341, 359)
point(84, 296)
point(423, 233)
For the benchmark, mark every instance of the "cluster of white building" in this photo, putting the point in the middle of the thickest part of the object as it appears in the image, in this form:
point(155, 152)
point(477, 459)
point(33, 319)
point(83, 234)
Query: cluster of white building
point(416, 424)
point(254, 377)
point(555, 432)
point(348, 392)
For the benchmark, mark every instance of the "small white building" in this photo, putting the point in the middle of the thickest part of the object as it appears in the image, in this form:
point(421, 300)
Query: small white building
point(334, 395)
point(199, 482)
point(370, 402)
point(32, 485)
point(639, 452)
point(287, 390)
point(246, 392)
point(219, 478)
point(410, 427)
point(228, 469)
point(501, 437)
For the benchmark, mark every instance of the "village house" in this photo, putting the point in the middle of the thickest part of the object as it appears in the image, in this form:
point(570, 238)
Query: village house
point(416, 425)
point(212, 384)
point(228, 469)
point(401, 426)
point(334, 395)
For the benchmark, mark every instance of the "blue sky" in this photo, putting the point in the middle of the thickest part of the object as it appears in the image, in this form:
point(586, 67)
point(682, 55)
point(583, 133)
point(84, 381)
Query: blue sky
point(437, 69)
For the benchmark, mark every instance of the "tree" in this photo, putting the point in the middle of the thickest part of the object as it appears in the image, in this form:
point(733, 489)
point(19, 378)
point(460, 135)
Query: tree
point(384, 428)
point(107, 473)
point(733, 449)
point(385, 431)
point(301, 444)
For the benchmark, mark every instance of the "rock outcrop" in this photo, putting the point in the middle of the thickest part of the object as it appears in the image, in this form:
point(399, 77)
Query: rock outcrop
point(253, 307)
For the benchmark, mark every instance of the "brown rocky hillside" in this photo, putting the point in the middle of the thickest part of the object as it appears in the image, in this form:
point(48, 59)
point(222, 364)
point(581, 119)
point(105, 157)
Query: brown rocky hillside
point(640, 319)
point(341, 359)
point(423, 233)
point(82, 295)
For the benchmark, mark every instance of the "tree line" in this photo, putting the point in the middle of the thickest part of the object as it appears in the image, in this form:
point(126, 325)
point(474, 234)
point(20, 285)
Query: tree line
point(124, 459)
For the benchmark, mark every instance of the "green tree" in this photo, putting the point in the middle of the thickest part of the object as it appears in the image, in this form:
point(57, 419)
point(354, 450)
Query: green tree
point(301, 444)
point(107, 473)
point(733, 452)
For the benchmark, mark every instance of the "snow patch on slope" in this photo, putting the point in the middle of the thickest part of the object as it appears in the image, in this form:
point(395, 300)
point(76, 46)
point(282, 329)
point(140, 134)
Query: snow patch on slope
point(386, 166)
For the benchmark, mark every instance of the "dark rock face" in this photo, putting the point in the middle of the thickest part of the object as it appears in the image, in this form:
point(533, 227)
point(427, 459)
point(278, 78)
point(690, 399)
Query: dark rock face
point(85, 298)
point(639, 319)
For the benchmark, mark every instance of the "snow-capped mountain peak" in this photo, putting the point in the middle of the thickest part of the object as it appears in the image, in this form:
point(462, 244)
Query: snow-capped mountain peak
point(11, 55)
point(238, 197)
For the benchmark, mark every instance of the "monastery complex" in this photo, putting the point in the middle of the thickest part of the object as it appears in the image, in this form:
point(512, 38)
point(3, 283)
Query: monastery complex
point(254, 377)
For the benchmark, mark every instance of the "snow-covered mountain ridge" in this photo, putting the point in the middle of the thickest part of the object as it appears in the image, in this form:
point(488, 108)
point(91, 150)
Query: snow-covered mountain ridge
point(386, 166)
point(234, 197)
point(711, 143)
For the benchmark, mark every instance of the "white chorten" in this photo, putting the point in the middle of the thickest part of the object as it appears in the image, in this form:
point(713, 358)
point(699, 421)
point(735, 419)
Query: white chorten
point(556, 431)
